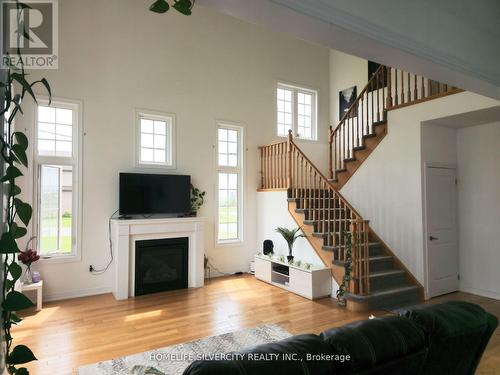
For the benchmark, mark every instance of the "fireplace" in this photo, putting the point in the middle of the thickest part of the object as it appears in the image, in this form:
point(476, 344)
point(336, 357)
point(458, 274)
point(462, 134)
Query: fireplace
point(161, 265)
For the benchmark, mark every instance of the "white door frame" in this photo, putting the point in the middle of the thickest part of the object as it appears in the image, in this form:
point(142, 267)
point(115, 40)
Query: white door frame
point(430, 164)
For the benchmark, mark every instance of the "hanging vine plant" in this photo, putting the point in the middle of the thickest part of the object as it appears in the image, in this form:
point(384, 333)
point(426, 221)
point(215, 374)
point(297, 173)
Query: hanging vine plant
point(347, 270)
point(13, 146)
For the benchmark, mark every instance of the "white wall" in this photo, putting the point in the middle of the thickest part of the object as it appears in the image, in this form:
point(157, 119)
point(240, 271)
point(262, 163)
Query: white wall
point(272, 212)
point(345, 71)
point(387, 188)
point(478, 151)
point(116, 56)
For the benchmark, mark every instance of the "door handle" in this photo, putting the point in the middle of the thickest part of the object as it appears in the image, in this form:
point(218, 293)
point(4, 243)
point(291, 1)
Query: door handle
point(433, 238)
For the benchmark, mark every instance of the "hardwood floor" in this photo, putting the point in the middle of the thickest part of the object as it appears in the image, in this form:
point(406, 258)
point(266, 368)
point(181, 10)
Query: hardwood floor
point(71, 333)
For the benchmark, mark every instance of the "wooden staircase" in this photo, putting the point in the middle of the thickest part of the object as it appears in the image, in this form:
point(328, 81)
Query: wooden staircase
point(364, 125)
point(379, 279)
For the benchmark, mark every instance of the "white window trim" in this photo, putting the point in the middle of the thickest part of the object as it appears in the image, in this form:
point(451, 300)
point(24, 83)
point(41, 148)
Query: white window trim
point(170, 158)
point(77, 107)
point(314, 112)
point(241, 172)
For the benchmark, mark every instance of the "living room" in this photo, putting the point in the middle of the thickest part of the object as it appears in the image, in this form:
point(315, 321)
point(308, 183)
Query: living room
point(198, 98)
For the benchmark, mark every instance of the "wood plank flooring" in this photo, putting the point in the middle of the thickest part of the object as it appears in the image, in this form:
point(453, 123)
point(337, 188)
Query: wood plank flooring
point(71, 333)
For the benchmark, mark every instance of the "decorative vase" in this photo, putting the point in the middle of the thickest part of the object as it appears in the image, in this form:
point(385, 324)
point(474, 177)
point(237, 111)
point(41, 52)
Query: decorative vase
point(289, 258)
point(28, 277)
point(342, 301)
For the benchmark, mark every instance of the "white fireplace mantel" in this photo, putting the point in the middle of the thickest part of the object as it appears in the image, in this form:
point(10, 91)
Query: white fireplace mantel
point(124, 233)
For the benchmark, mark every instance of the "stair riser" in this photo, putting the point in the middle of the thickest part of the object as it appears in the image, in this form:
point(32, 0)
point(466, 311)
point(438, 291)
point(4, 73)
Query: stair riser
point(315, 204)
point(319, 214)
point(339, 226)
point(312, 193)
point(394, 301)
point(386, 282)
point(381, 265)
point(374, 251)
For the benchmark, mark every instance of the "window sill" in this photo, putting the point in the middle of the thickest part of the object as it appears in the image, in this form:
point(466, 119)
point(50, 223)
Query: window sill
point(229, 243)
point(155, 166)
point(61, 259)
point(295, 139)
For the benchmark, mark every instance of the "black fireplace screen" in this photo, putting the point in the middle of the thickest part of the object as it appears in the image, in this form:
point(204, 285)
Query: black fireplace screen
point(161, 265)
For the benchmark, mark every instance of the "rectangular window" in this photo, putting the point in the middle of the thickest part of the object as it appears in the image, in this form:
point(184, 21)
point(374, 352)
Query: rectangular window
point(155, 140)
point(56, 166)
point(296, 111)
point(230, 167)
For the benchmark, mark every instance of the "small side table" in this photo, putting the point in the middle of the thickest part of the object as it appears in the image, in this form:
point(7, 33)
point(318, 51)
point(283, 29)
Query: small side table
point(38, 288)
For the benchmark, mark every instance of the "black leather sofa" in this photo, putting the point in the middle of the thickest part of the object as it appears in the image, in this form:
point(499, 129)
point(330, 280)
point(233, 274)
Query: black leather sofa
point(439, 339)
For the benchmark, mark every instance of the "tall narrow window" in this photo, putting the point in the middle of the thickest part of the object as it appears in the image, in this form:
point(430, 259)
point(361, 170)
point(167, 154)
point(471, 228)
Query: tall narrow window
point(155, 145)
point(56, 163)
point(296, 111)
point(229, 161)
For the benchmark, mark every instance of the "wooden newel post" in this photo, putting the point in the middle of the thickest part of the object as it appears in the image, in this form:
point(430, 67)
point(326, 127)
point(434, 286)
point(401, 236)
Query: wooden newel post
point(330, 153)
point(389, 87)
point(289, 157)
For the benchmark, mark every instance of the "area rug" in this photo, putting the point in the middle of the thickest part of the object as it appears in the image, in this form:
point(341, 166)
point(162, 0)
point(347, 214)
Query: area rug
point(172, 360)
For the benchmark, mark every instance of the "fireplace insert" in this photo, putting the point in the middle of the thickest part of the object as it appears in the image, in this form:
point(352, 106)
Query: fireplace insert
point(161, 265)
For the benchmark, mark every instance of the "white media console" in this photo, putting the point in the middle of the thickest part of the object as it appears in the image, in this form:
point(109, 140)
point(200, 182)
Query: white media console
point(312, 283)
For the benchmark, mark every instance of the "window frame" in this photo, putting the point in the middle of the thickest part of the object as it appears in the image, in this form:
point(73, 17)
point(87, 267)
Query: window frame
point(296, 89)
point(75, 161)
point(170, 137)
point(239, 170)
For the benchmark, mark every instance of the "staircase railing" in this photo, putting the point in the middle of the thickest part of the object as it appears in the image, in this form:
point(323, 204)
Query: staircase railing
point(285, 166)
point(388, 88)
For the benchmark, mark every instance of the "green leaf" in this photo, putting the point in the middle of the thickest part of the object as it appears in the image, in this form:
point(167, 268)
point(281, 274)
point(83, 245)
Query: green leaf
point(11, 173)
point(23, 210)
point(15, 271)
point(8, 244)
point(21, 139)
point(21, 354)
point(183, 6)
point(47, 87)
point(15, 319)
point(21, 371)
point(159, 6)
point(16, 301)
point(20, 153)
point(8, 284)
point(26, 86)
point(15, 190)
point(17, 231)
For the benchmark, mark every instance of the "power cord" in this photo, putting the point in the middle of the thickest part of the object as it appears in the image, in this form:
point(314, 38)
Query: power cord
point(95, 271)
point(222, 273)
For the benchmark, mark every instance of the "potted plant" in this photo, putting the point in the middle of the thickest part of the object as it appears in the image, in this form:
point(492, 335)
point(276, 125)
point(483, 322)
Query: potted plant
point(27, 257)
point(197, 199)
point(290, 235)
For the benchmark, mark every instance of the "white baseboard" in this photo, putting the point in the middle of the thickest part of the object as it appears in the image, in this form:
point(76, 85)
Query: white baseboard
point(57, 296)
point(481, 292)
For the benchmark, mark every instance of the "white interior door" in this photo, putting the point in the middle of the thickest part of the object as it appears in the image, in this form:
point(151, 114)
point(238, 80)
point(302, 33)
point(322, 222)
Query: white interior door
point(442, 244)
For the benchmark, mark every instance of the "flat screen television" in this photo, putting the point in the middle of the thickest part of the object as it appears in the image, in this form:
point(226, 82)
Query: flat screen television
point(147, 194)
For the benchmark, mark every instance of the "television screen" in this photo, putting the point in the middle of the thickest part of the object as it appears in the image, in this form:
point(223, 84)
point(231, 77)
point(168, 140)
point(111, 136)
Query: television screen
point(144, 194)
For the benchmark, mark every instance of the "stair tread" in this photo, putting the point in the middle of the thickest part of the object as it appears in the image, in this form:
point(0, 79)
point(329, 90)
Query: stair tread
point(386, 273)
point(370, 244)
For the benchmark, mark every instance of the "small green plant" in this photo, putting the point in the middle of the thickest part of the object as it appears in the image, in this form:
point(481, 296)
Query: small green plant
point(347, 269)
point(197, 199)
point(298, 263)
point(290, 235)
point(182, 6)
point(307, 266)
